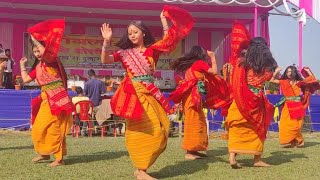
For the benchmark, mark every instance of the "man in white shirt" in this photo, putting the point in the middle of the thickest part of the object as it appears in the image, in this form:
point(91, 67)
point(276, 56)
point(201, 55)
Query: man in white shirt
point(7, 73)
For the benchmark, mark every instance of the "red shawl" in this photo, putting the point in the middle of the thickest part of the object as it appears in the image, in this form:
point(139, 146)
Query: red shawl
point(256, 109)
point(218, 91)
point(51, 32)
point(219, 94)
point(125, 102)
point(296, 108)
point(310, 83)
point(240, 38)
point(182, 23)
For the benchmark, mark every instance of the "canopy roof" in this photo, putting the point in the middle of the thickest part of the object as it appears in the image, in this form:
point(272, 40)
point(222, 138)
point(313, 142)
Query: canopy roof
point(121, 12)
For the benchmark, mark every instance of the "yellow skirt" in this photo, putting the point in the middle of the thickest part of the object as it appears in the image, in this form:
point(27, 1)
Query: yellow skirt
point(289, 129)
point(147, 139)
point(195, 128)
point(49, 132)
point(242, 137)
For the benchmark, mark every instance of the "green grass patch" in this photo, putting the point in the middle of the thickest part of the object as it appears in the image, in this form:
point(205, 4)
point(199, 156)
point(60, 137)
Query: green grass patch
point(107, 158)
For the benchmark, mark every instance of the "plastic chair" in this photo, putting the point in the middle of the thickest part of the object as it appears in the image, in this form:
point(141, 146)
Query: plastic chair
point(114, 123)
point(85, 115)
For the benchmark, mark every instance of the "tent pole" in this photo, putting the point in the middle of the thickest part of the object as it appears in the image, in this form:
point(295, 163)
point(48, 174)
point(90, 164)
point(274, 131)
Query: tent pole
point(300, 44)
point(255, 21)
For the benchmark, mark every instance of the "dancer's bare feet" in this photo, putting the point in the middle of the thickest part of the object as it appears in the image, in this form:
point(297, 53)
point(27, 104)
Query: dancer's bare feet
point(300, 145)
point(293, 144)
point(261, 164)
point(56, 163)
point(199, 154)
point(40, 158)
point(136, 173)
point(143, 175)
point(233, 162)
point(257, 162)
point(288, 146)
point(235, 165)
point(189, 156)
point(192, 155)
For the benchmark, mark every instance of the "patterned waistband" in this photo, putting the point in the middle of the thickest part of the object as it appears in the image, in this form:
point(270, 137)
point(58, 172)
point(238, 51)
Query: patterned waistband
point(255, 90)
point(289, 98)
point(293, 98)
point(51, 86)
point(201, 87)
point(143, 78)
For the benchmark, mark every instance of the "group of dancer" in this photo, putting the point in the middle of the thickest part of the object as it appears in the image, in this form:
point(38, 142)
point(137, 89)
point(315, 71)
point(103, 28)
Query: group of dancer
point(144, 107)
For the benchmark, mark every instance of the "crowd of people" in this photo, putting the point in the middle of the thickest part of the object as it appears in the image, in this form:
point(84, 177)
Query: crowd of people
point(248, 112)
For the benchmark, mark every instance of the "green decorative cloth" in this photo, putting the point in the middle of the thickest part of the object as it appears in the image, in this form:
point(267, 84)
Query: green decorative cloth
point(254, 89)
point(144, 78)
point(290, 98)
point(201, 88)
point(51, 86)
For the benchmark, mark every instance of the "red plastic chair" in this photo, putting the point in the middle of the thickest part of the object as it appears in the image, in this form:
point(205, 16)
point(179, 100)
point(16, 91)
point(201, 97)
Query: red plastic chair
point(84, 116)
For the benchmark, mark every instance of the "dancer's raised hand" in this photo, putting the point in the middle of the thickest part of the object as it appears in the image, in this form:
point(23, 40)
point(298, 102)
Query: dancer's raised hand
point(211, 54)
point(278, 69)
point(106, 31)
point(23, 61)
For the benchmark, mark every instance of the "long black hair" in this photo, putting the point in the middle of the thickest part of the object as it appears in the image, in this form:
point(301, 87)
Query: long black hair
point(183, 63)
point(259, 57)
point(294, 74)
point(36, 60)
point(148, 39)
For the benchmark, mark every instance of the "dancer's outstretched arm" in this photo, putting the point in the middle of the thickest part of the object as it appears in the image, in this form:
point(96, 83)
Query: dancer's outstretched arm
point(106, 32)
point(165, 25)
point(24, 74)
point(213, 70)
point(273, 79)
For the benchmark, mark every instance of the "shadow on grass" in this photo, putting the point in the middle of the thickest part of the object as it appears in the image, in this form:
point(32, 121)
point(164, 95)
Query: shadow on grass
point(221, 151)
point(276, 158)
point(16, 148)
point(99, 156)
point(191, 166)
point(310, 144)
point(182, 168)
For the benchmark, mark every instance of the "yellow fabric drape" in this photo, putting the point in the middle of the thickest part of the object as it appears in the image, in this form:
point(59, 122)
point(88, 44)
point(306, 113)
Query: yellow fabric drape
point(195, 127)
point(242, 137)
point(289, 129)
point(147, 139)
point(49, 132)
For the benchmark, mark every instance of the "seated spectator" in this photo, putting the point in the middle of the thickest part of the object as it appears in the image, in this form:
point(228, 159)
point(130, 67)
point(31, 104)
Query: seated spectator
point(80, 97)
point(75, 100)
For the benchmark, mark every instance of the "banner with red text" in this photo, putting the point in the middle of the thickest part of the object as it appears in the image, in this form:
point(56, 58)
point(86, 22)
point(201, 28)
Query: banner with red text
point(80, 51)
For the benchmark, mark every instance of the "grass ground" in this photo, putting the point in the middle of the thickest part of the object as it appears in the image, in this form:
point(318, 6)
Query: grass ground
point(107, 158)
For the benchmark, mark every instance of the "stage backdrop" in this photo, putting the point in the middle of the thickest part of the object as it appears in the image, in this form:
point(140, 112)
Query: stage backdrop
point(82, 51)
